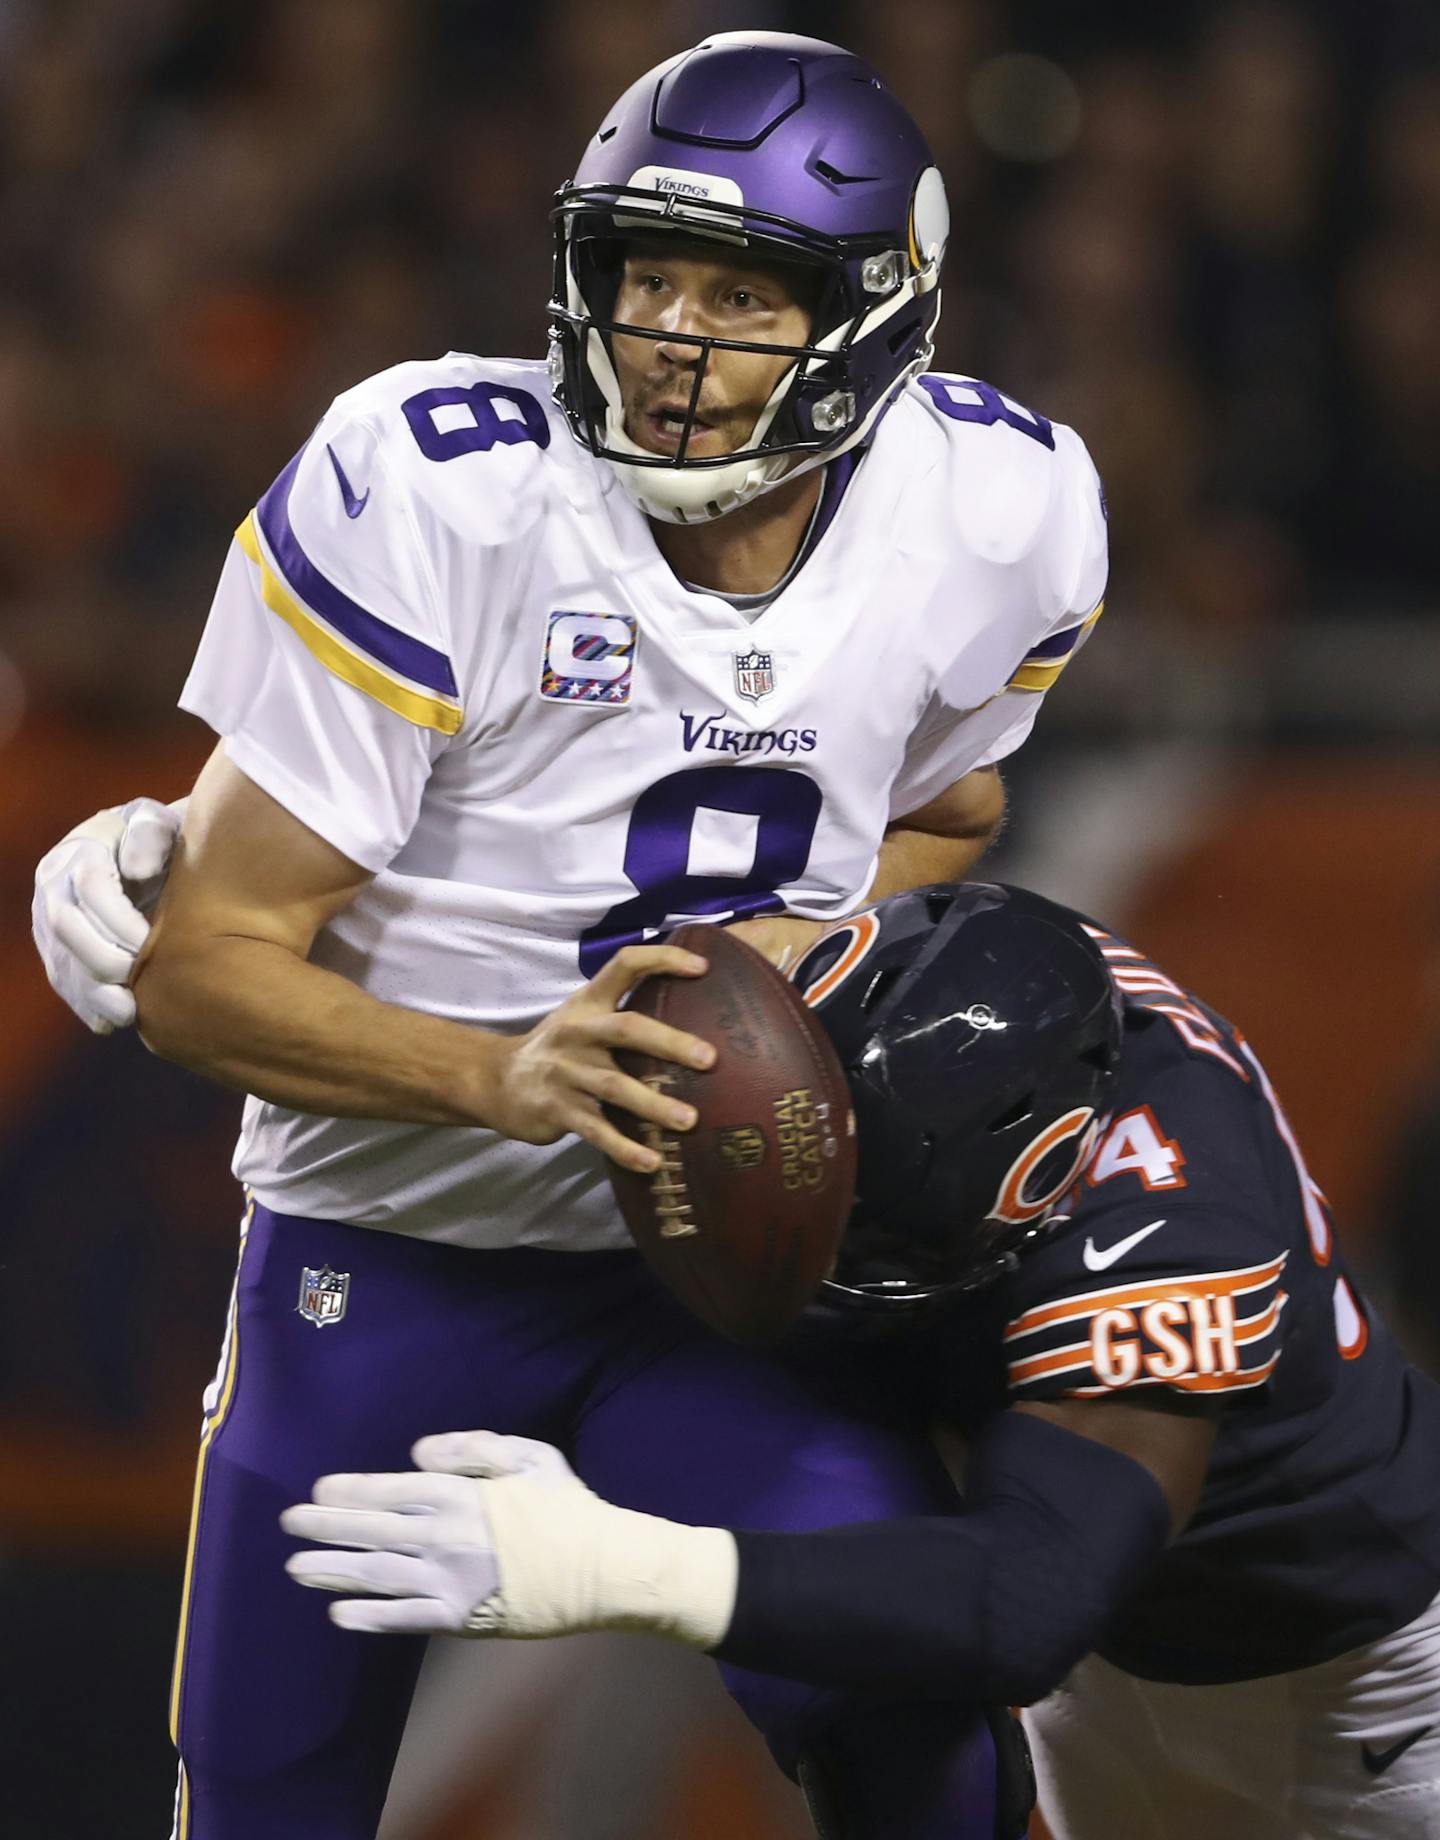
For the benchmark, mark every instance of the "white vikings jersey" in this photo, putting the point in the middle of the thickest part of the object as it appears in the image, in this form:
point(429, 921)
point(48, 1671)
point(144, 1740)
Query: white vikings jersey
point(445, 640)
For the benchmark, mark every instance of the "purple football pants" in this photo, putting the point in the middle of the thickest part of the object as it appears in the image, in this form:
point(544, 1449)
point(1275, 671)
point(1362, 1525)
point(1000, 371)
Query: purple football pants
point(288, 1727)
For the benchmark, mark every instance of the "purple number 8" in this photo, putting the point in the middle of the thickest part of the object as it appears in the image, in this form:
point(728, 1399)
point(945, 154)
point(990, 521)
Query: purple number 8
point(987, 406)
point(487, 429)
point(786, 806)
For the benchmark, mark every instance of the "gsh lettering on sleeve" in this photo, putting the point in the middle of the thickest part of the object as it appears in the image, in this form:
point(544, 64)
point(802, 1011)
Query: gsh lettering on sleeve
point(1165, 1340)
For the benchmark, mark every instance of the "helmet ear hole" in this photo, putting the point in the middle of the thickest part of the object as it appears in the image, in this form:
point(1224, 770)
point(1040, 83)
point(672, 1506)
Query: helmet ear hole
point(938, 902)
point(903, 336)
point(883, 982)
point(1013, 1115)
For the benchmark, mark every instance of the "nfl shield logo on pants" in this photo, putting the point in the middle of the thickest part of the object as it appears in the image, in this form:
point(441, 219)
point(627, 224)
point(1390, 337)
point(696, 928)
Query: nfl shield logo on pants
point(754, 674)
point(323, 1295)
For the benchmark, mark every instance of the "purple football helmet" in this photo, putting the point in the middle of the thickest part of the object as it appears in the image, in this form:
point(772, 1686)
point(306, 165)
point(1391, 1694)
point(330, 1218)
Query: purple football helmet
point(792, 149)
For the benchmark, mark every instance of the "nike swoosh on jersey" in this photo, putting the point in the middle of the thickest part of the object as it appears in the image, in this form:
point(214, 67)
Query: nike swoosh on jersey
point(1377, 1762)
point(353, 506)
point(1102, 1261)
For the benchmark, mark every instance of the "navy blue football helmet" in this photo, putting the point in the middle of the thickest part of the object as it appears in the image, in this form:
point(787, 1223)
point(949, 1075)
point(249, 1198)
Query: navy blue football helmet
point(789, 148)
point(980, 1030)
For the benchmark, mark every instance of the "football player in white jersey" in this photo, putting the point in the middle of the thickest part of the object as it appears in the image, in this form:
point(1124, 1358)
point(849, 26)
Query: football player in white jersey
point(728, 612)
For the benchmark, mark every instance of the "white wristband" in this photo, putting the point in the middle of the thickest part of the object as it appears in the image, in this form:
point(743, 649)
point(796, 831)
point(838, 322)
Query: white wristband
point(570, 1561)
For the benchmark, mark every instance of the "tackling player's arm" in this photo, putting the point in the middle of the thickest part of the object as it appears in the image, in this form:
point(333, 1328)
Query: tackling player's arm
point(941, 841)
point(223, 986)
point(94, 890)
point(944, 839)
point(1067, 1504)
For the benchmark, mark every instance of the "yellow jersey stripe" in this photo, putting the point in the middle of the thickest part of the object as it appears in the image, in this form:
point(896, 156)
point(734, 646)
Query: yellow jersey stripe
point(1040, 673)
point(1037, 676)
point(422, 707)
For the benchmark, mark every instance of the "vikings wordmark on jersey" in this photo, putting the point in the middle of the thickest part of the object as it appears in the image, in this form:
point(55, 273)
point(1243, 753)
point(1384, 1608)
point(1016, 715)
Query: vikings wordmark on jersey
point(490, 683)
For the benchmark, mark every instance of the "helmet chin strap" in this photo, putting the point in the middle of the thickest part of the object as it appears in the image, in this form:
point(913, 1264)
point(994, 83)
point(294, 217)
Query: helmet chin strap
point(689, 498)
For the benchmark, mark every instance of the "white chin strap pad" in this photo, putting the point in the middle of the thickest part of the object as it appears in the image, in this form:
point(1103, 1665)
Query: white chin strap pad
point(694, 497)
point(691, 495)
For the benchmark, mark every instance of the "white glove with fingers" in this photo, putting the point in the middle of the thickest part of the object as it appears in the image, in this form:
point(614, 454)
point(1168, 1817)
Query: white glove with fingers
point(496, 1536)
point(93, 892)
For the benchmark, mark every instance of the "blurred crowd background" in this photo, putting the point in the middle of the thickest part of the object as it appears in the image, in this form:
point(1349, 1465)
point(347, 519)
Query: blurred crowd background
point(1208, 235)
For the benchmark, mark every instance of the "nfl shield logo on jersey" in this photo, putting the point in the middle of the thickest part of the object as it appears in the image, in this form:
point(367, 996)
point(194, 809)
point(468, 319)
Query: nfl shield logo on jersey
point(754, 674)
point(323, 1295)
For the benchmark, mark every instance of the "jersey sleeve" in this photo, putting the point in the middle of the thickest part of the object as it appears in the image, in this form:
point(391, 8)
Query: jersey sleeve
point(946, 745)
point(324, 663)
point(1170, 1271)
point(1060, 582)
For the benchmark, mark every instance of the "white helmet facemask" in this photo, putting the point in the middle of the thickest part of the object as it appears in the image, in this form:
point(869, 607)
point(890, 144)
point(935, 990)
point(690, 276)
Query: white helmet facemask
point(693, 496)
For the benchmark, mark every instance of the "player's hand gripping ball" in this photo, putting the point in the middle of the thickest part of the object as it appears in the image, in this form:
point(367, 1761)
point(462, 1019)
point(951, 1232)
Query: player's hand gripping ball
point(743, 1218)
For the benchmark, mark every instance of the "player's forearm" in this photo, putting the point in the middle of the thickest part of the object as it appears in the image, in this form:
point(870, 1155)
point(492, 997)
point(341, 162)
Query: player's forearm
point(250, 1014)
point(995, 1602)
point(943, 840)
point(915, 859)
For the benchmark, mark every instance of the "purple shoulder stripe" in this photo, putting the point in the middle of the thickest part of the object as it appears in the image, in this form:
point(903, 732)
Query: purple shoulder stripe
point(1057, 645)
point(838, 475)
point(397, 651)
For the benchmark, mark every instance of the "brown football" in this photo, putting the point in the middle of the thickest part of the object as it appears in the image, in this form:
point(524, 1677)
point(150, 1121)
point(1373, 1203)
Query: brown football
point(744, 1216)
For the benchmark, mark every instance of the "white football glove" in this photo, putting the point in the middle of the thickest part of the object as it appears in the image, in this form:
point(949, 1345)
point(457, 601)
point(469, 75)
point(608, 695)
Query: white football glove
point(496, 1536)
point(93, 892)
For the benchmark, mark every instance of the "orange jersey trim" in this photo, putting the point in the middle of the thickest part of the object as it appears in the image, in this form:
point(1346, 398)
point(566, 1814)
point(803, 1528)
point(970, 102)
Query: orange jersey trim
point(1256, 1328)
point(1150, 1290)
point(1058, 1361)
point(1238, 1382)
point(1079, 1354)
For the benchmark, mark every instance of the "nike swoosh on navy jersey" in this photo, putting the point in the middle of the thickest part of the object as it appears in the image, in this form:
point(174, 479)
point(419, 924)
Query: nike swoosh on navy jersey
point(1102, 1261)
point(353, 506)
point(1376, 1762)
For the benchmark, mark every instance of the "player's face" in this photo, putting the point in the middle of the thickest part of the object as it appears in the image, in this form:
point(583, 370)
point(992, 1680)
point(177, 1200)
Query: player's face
point(686, 293)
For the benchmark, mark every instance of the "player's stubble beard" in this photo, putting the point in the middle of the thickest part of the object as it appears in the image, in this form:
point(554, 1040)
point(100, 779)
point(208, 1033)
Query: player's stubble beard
point(748, 550)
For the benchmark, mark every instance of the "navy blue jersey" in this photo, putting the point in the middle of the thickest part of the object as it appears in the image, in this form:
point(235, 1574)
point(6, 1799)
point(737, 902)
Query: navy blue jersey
point(1197, 1265)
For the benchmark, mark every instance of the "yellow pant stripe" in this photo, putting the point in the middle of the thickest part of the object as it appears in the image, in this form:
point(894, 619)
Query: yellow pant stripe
point(212, 1425)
